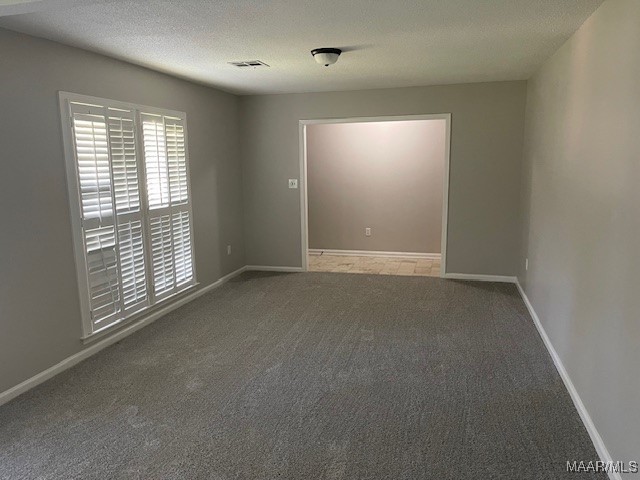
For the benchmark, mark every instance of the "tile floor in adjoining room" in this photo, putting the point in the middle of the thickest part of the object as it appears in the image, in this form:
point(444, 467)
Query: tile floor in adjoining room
point(375, 265)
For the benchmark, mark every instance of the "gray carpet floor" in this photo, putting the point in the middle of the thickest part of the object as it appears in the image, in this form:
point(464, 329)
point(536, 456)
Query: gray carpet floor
point(311, 375)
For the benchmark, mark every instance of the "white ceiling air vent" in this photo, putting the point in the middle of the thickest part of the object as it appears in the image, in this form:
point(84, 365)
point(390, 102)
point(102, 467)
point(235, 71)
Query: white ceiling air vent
point(249, 63)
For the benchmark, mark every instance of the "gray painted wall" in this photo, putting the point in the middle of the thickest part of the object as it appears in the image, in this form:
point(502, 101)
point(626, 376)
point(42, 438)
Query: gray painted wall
point(486, 156)
point(581, 180)
point(39, 307)
point(384, 175)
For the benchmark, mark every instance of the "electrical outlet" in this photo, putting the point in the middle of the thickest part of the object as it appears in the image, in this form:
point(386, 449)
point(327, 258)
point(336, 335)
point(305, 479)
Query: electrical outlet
point(228, 249)
point(293, 183)
point(367, 232)
point(526, 264)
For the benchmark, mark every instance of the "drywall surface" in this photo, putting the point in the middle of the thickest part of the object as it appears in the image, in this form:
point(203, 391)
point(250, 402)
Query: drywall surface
point(387, 176)
point(486, 155)
point(39, 307)
point(581, 216)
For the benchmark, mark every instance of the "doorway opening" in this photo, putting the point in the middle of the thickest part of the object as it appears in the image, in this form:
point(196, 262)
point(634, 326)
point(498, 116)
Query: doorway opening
point(374, 194)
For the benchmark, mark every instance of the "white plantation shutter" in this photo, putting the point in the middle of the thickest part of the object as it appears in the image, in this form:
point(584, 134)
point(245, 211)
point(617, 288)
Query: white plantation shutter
point(182, 246)
point(155, 156)
point(180, 203)
point(124, 161)
point(132, 264)
point(162, 254)
point(102, 273)
point(129, 211)
point(177, 160)
point(90, 135)
point(131, 207)
point(169, 202)
point(97, 209)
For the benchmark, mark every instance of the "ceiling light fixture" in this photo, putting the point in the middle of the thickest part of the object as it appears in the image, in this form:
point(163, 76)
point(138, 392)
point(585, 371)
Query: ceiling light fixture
point(326, 56)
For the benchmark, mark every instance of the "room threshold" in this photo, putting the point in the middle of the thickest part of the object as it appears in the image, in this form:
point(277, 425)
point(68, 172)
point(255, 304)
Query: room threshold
point(375, 265)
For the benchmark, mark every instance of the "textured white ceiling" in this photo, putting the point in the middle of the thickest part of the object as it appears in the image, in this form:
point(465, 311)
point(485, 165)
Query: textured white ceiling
point(394, 43)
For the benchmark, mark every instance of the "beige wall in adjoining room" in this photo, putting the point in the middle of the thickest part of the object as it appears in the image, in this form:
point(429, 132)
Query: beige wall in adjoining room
point(487, 123)
point(581, 216)
point(387, 176)
point(40, 322)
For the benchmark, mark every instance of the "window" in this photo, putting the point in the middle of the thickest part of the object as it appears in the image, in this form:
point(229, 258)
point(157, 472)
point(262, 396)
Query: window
point(130, 198)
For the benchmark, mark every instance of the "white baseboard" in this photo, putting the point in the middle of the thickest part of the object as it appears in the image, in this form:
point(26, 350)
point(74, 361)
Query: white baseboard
point(598, 443)
point(268, 268)
point(480, 278)
point(94, 348)
point(369, 253)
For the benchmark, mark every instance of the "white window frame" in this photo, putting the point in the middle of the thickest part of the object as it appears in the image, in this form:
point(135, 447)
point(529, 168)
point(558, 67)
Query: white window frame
point(65, 101)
